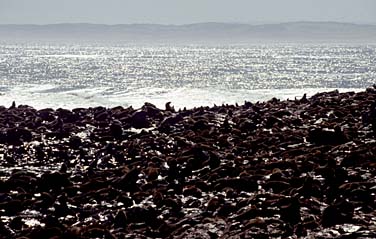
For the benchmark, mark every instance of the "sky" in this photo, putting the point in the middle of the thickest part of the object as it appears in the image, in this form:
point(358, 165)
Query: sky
point(185, 11)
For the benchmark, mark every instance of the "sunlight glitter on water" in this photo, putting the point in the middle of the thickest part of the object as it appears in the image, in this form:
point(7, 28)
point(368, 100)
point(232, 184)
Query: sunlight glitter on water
point(89, 75)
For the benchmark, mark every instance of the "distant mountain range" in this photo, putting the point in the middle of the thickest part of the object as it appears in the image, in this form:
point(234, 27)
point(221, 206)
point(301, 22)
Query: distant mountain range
point(200, 32)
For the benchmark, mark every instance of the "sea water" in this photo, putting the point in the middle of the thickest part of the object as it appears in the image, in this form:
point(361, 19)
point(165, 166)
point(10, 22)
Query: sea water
point(86, 75)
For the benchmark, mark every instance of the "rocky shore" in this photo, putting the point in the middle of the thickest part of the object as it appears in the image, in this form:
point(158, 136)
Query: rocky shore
point(303, 168)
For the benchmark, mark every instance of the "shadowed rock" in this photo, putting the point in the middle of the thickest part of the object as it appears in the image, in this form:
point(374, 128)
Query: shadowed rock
point(266, 169)
point(140, 120)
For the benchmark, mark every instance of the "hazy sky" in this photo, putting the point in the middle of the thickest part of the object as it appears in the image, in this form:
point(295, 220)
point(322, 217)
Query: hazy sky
point(185, 11)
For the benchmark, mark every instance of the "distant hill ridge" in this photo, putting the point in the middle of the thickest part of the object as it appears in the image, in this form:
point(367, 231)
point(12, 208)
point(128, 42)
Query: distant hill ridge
point(210, 31)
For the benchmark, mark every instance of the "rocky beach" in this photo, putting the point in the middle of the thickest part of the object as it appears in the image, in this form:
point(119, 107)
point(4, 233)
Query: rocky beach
point(300, 168)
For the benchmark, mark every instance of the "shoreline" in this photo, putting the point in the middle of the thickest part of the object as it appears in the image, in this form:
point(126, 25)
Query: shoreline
point(278, 168)
point(89, 99)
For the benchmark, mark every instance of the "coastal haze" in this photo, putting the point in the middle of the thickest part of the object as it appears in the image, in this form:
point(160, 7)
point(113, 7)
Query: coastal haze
point(204, 33)
point(185, 12)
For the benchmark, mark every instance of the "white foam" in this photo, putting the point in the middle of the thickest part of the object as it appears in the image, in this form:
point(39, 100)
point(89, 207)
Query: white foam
point(180, 98)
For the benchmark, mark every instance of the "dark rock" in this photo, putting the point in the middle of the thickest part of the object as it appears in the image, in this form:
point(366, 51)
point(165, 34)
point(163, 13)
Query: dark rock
point(201, 124)
point(192, 191)
point(16, 223)
point(116, 129)
point(247, 184)
point(226, 209)
point(248, 214)
point(54, 181)
point(304, 99)
point(247, 126)
point(169, 107)
point(12, 207)
point(327, 137)
point(120, 220)
point(126, 200)
point(39, 233)
point(271, 121)
point(152, 173)
point(214, 204)
point(139, 215)
point(140, 120)
point(371, 118)
point(170, 121)
point(101, 115)
point(291, 212)
point(256, 222)
point(97, 232)
point(16, 136)
point(174, 204)
point(128, 180)
point(338, 213)
point(45, 201)
point(67, 116)
point(251, 171)
point(46, 114)
point(75, 142)
point(277, 186)
point(151, 110)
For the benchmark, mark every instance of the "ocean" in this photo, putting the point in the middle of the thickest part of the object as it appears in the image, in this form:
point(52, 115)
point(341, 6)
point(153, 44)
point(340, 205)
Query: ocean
point(87, 75)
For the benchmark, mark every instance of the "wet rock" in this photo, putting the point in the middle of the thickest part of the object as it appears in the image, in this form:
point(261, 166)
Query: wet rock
point(46, 114)
point(277, 186)
point(116, 129)
point(201, 124)
point(169, 107)
point(199, 157)
point(214, 204)
point(247, 126)
point(140, 215)
point(266, 169)
point(310, 188)
point(128, 180)
point(226, 209)
point(12, 207)
point(98, 233)
point(327, 137)
point(126, 200)
point(371, 117)
point(291, 212)
point(151, 110)
point(250, 213)
point(338, 213)
point(75, 142)
point(271, 121)
point(67, 116)
point(53, 181)
point(140, 120)
point(152, 173)
point(101, 114)
point(16, 136)
point(256, 222)
point(192, 191)
point(21, 179)
point(173, 204)
point(16, 223)
point(355, 158)
point(120, 220)
point(247, 184)
point(170, 121)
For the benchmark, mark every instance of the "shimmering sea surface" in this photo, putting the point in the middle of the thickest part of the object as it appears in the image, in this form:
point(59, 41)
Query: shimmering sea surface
point(70, 76)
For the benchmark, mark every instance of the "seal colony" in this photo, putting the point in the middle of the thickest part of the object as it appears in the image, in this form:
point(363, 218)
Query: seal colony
point(300, 168)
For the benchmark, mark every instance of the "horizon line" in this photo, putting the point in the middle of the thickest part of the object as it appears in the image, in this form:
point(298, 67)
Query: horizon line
point(184, 24)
